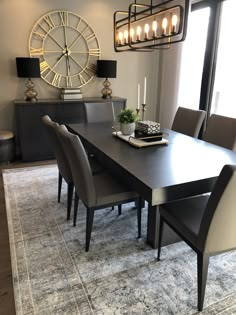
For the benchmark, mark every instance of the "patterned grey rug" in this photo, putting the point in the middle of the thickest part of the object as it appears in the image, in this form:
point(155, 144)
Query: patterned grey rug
point(119, 275)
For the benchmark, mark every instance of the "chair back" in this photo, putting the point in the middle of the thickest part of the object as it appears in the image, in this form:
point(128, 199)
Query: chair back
point(188, 121)
point(99, 112)
point(62, 161)
point(80, 167)
point(218, 227)
point(221, 130)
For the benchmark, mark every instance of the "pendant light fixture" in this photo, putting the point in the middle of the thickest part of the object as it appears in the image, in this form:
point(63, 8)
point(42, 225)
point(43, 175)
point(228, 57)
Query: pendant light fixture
point(145, 27)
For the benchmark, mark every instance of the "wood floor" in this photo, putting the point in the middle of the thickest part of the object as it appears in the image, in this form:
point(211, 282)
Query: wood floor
point(7, 304)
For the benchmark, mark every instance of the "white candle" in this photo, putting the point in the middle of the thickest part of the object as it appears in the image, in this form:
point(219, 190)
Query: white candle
point(144, 90)
point(138, 107)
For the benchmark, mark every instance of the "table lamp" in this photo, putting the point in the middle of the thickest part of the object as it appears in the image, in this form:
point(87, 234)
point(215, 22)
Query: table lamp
point(106, 69)
point(28, 68)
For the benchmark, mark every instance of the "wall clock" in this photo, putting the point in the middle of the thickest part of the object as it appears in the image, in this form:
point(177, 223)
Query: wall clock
point(67, 47)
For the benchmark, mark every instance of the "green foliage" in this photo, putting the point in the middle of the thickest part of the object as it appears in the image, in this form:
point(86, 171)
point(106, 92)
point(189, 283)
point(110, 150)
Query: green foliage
point(127, 116)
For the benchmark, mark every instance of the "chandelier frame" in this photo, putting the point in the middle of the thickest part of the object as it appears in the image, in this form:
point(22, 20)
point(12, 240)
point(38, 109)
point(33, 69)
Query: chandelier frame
point(139, 13)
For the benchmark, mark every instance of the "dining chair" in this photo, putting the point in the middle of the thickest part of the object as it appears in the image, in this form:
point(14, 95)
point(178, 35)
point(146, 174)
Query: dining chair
point(99, 112)
point(188, 121)
point(221, 130)
point(95, 191)
point(207, 223)
point(64, 170)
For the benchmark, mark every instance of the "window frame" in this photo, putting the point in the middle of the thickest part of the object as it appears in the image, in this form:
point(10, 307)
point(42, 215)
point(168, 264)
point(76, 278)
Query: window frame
point(210, 58)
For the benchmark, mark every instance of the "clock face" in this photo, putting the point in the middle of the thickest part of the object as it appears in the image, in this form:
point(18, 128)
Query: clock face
point(67, 47)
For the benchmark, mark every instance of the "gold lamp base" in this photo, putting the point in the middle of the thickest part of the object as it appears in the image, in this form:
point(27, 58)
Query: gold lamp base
point(30, 93)
point(106, 91)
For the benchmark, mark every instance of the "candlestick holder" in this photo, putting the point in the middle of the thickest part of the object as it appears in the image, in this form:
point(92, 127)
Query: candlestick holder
point(137, 111)
point(143, 111)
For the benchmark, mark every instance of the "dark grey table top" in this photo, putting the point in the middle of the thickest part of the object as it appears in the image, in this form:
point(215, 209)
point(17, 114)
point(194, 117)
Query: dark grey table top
point(161, 173)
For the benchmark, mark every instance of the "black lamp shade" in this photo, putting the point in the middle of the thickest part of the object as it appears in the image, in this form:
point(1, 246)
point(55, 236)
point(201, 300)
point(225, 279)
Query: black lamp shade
point(106, 68)
point(27, 67)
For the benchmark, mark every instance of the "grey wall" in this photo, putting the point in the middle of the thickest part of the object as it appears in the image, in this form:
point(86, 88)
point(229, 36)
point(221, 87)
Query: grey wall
point(17, 18)
point(168, 72)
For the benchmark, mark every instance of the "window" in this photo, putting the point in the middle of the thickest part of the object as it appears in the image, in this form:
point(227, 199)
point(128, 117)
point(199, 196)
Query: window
point(223, 97)
point(192, 59)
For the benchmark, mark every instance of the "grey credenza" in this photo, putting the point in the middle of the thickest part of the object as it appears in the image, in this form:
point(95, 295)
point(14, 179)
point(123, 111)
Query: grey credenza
point(32, 140)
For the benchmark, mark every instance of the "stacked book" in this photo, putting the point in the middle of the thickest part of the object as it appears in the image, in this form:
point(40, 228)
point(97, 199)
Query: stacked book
point(71, 94)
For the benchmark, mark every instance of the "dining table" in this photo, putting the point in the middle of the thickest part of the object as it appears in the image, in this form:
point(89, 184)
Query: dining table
point(179, 168)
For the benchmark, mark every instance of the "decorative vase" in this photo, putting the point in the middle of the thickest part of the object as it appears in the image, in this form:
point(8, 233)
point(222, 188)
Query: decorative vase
point(127, 129)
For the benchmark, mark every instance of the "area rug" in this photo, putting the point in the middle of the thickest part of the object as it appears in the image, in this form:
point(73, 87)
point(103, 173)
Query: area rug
point(53, 274)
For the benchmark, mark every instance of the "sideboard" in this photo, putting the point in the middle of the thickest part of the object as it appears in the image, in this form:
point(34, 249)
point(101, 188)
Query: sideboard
point(31, 138)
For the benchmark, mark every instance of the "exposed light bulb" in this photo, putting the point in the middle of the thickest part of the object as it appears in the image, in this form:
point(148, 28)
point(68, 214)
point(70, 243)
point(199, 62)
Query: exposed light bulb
point(126, 34)
point(154, 28)
point(138, 31)
point(146, 30)
point(174, 23)
point(164, 26)
point(131, 34)
point(120, 36)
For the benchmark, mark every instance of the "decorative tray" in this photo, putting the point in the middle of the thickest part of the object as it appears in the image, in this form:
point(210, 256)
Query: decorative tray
point(148, 137)
point(142, 141)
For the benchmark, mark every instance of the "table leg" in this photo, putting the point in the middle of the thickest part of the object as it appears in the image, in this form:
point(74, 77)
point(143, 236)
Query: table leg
point(169, 236)
point(152, 225)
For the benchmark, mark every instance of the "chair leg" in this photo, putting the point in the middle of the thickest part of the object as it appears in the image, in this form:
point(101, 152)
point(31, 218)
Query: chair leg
point(142, 204)
point(70, 189)
point(160, 237)
point(76, 203)
point(139, 215)
point(119, 209)
point(59, 187)
point(89, 225)
point(202, 270)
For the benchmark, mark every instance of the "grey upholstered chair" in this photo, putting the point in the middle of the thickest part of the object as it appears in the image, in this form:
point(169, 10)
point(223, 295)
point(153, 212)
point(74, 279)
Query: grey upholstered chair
point(207, 223)
point(188, 121)
point(96, 192)
point(99, 112)
point(221, 130)
point(62, 162)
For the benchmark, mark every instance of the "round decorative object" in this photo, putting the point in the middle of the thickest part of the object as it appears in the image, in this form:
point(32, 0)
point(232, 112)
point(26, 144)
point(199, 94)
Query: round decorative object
point(7, 146)
point(67, 47)
point(127, 129)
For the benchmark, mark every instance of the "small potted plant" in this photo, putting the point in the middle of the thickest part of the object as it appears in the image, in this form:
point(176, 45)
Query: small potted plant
point(127, 119)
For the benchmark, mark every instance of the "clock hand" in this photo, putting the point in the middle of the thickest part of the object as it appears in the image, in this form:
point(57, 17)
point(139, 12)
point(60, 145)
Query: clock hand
point(58, 60)
point(67, 60)
point(65, 37)
point(68, 64)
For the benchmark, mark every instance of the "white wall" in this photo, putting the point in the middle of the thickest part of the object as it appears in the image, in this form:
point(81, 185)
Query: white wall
point(16, 21)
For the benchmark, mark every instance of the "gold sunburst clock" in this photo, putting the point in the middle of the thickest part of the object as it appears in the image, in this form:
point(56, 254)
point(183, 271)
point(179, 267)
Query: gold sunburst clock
point(67, 47)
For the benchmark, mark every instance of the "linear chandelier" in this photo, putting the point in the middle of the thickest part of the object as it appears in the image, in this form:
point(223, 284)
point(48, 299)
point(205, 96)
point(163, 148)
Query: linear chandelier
point(145, 27)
